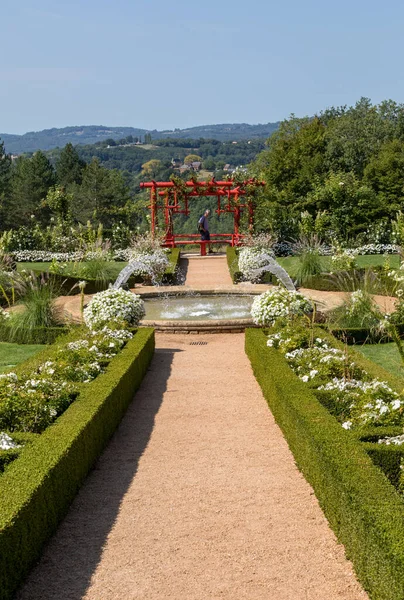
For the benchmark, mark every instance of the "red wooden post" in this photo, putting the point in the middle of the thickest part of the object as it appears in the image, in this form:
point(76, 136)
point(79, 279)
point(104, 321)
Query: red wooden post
point(153, 208)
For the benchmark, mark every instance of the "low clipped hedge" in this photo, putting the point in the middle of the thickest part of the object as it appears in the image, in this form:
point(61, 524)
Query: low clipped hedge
point(232, 262)
point(170, 276)
point(37, 489)
point(38, 335)
point(363, 508)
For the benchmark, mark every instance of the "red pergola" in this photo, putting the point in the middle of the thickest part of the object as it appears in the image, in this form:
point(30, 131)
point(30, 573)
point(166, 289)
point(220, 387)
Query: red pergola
point(171, 197)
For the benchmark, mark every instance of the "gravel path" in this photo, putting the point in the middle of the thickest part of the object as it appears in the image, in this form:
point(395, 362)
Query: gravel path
point(196, 497)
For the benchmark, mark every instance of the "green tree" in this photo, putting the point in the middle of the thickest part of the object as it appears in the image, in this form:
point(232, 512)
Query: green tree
point(356, 134)
point(293, 162)
point(209, 164)
point(69, 166)
point(352, 205)
point(190, 158)
point(31, 180)
point(59, 201)
point(102, 196)
point(5, 180)
point(385, 175)
point(151, 168)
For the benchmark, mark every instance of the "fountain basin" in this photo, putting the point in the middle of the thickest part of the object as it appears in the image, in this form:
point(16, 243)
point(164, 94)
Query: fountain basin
point(198, 312)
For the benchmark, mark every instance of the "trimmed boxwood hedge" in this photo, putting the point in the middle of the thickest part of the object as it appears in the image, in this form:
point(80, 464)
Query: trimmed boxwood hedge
point(170, 276)
point(363, 508)
point(37, 488)
point(232, 263)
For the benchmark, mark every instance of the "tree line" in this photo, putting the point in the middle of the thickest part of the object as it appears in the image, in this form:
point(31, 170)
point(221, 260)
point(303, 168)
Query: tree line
point(32, 188)
point(345, 164)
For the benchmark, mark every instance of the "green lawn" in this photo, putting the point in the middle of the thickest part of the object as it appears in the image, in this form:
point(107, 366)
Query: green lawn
point(14, 354)
point(114, 267)
point(290, 263)
point(385, 355)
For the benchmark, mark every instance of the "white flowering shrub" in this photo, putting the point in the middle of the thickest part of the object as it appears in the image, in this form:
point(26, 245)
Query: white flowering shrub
point(152, 264)
point(278, 303)
point(360, 400)
point(114, 306)
point(251, 259)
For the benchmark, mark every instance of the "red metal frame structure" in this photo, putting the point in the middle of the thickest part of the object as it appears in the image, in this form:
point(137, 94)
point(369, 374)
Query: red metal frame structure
point(172, 198)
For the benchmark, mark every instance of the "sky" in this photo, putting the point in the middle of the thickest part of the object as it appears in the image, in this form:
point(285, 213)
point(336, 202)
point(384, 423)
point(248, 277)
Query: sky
point(165, 64)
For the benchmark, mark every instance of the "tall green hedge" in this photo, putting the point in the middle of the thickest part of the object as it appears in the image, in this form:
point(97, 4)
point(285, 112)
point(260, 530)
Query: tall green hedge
point(363, 508)
point(38, 487)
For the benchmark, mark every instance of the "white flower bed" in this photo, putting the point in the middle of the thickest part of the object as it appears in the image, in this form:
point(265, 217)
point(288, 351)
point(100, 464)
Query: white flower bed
point(362, 401)
point(7, 443)
point(278, 303)
point(397, 440)
point(114, 306)
point(80, 256)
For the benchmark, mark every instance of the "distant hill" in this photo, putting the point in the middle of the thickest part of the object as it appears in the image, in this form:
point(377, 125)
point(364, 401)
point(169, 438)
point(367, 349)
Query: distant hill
point(91, 134)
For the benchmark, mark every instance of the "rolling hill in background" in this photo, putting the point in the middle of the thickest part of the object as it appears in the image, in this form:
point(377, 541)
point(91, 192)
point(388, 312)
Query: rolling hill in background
point(91, 134)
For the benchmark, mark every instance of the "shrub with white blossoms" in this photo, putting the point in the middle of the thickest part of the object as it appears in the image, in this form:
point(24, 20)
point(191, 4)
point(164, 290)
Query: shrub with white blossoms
point(251, 259)
point(152, 264)
point(114, 306)
point(278, 303)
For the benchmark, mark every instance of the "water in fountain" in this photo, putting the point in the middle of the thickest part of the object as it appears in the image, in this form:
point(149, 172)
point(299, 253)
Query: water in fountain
point(275, 268)
point(198, 307)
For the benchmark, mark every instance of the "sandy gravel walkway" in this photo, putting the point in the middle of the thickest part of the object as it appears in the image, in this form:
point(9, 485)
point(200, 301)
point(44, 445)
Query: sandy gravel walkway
point(197, 497)
point(210, 271)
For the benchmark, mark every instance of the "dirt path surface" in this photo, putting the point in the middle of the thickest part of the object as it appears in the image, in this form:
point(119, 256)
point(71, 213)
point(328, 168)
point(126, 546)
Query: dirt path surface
point(210, 271)
point(196, 497)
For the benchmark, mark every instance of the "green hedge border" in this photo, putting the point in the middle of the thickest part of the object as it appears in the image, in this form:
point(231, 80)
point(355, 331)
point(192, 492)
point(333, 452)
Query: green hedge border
point(363, 508)
point(232, 263)
point(37, 488)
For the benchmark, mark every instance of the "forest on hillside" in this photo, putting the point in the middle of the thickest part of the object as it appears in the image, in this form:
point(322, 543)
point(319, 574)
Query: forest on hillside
point(91, 134)
point(343, 169)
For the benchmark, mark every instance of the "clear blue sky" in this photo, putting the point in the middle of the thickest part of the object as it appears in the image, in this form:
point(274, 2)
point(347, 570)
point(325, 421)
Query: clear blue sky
point(161, 64)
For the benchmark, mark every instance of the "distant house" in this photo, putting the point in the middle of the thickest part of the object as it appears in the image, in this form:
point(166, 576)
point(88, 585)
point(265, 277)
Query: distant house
point(227, 167)
point(185, 167)
point(196, 166)
point(176, 163)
